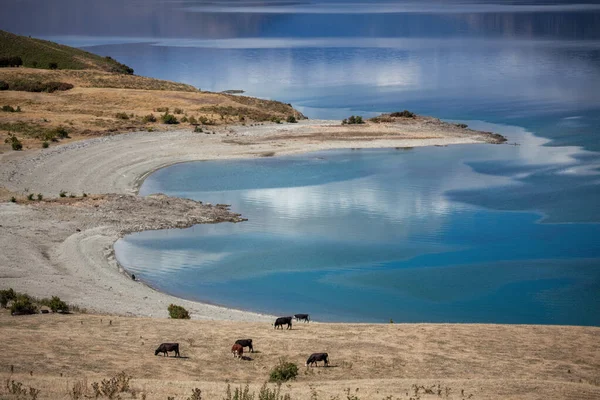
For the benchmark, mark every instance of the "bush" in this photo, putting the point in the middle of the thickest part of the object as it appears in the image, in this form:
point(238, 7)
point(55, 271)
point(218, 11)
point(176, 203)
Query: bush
point(277, 120)
point(53, 65)
point(11, 61)
point(178, 312)
point(169, 119)
point(162, 109)
point(14, 142)
point(30, 197)
point(178, 111)
point(192, 120)
point(149, 118)
point(184, 119)
point(291, 119)
point(13, 199)
point(122, 115)
point(55, 304)
point(463, 126)
point(62, 193)
point(205, 121)
point(7, 295)
point(283, 372)
point(45, 145)
point(40, 197)
point(11, 109)
point(403, 114)
point(198, 129)
point(24, 85)
point(23, 304)
point(353, 120)
point(3, 85)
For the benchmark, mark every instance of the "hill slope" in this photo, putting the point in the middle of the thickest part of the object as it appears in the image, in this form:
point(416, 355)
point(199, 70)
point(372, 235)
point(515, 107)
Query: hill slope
point(37, 53)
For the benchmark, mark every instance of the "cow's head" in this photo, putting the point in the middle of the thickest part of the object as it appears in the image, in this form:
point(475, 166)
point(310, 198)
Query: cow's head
point(157, 351)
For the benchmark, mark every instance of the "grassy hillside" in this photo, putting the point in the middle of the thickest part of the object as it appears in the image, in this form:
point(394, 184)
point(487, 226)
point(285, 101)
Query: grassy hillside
point(37, 53)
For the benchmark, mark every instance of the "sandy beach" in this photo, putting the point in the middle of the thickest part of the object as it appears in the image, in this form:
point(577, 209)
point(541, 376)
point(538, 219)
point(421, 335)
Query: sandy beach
point(65, 248)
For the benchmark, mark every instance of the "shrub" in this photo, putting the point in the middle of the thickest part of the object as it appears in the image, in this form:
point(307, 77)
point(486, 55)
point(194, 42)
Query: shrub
point(283, 372)
point(122, 115)
point(178, 111)
point(14, 142)
point(40, 197)
point(53, 65)
point(205, 121)
point(13, 199)
point(352, 120)
point(11, 61)
point(463, 126)
point(51, 87)
point(45, 145)
point(10, 109)
point(3, 85)
point(55, 304)
point(169, 119)
point(198, 129)
point(149, 118)
point(291, 119)
point(403, 114)
point(23, 304)
point(178, 312)
point(30, 197)
point(192, 120)
point(277, 120)
point(62, 193)
point(7, 295)
point(162, 109)
point(184, 119)
point(24, 85)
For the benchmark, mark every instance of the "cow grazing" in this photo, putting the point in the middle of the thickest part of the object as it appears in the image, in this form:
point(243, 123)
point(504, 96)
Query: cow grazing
point(245, 343)
point(281, 321)
point(302, 317)
point(237, 350)
point(318, 357)
point(166, 347)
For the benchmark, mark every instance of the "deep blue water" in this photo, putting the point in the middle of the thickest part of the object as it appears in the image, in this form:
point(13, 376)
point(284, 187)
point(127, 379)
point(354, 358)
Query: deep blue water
point(474, 233)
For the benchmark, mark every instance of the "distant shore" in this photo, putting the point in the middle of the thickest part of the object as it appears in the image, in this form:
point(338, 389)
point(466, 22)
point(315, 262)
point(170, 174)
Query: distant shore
point(64, 247)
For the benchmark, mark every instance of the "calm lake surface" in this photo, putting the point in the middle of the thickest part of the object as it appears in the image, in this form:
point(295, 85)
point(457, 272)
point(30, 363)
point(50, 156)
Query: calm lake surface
point(473, 233)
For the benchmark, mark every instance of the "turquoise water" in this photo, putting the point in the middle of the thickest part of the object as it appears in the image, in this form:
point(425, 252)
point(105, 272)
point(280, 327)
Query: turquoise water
point(419, 234)
point(474, 233)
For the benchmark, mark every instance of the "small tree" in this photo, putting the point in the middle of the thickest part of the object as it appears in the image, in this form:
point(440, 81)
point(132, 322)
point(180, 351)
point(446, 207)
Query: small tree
point(284, 371)
point(55, 304)
point(178, 312)
point(7, 295)
point(291, 119)
point(23, 304)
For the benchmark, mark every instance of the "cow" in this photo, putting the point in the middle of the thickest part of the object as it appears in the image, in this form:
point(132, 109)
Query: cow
point(237, 350)
point(302, 317)
point(318, 357)
point(166, 347)
point(245, 343)
point(279, 322)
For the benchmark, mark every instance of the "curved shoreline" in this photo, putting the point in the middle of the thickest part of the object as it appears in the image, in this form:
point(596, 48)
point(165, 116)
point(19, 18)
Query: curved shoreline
point(49, 254)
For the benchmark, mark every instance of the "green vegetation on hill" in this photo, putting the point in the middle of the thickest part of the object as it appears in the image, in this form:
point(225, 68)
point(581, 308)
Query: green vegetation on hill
point(37, 53)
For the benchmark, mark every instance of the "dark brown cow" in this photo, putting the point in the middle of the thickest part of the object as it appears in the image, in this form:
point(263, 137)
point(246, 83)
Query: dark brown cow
point(245, 343)
point(166, 347)
point(318, 357)
point(281, 321)
point(302, 317)
point(237, 350)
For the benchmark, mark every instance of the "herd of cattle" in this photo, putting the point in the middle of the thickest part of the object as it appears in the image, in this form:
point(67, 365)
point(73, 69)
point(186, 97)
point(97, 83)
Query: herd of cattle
point(238, 348)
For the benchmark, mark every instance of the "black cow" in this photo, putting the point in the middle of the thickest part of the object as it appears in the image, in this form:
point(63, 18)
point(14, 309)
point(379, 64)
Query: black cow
point(302, 317)
point(245, 343)
point(318, 357)
point(281, 321)
point(166, 347)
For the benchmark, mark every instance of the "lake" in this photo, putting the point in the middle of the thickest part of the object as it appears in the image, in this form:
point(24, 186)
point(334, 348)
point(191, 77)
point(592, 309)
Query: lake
point(470, 233)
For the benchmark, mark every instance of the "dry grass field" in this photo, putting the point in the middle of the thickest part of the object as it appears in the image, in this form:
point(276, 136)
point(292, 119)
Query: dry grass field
point(107, 103)
point(53, 353)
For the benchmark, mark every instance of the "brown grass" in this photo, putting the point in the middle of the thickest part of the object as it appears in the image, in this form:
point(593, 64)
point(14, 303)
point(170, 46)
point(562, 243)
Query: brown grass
point(51, 352)
point(91, 108)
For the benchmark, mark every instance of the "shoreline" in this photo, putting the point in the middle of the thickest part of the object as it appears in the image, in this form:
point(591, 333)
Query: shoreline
point(79, 264)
